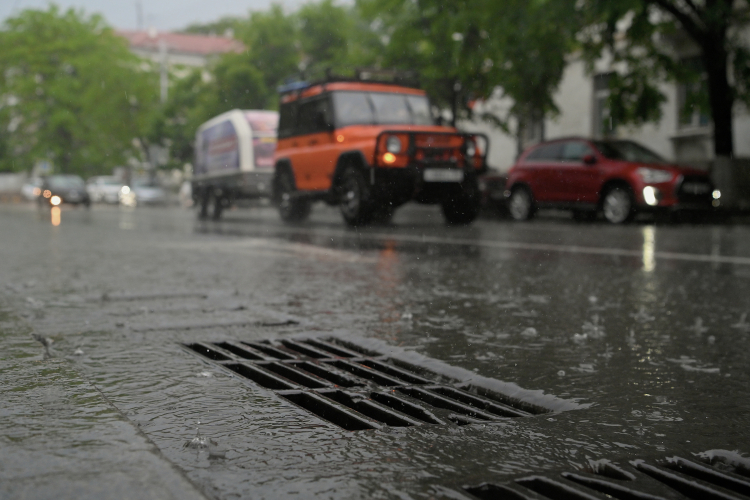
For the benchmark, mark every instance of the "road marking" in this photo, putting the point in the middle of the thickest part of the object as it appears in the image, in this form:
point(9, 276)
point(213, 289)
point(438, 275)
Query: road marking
point(542, 247)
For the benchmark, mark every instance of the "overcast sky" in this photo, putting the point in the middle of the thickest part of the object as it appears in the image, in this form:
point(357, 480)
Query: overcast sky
point(161, 14)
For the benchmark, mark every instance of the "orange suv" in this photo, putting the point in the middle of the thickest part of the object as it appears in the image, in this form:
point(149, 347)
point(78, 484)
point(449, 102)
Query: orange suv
point(370, 147)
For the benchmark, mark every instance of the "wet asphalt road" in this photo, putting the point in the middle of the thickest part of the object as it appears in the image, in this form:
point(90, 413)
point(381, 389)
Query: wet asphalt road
point(641, 332)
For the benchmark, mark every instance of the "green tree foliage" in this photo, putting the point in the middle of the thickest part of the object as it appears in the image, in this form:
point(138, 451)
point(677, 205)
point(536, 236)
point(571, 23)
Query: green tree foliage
point(466, 49)
point(650, 41)
point(70, 92)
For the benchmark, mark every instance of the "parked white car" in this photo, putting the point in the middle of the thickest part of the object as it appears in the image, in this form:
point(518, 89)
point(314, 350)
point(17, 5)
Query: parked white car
point(142, 192)
point(104, 188)
point(32, 189)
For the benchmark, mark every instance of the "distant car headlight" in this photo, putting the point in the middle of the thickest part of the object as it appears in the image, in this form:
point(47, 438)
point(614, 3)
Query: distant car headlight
point(654, 175)
point(125, 189)
point(55, 200)
point(393, 145)
point(716, 194)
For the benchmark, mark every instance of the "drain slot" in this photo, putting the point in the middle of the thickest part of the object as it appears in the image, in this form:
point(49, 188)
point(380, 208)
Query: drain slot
point(553, 489)
point(369, 409)
point(207, 352)
point(327, 374)
point(709, 475)
point(471, 400)
point(441, 402)
point(239, 351)
point(645, 482)
point(489, 491)
point(327, 411)
point(332, 348)
point(395, 372)
point(270, 350)
point(688, 488)
point(398, 404)
point(260, 377)
point(612, 489)
point(305, 349)
point(294, 375)
point(367, 373)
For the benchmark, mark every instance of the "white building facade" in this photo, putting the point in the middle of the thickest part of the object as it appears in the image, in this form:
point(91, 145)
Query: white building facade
point(581, 98)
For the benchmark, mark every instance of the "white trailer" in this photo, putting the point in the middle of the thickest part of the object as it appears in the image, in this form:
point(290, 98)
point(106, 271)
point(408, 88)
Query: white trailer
point(233, 159)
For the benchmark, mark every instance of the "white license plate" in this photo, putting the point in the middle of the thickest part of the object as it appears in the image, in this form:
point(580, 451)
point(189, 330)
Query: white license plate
point(443, 175)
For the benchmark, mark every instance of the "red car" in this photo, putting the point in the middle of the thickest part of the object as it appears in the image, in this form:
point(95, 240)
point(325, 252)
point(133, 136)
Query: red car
point(615, 177)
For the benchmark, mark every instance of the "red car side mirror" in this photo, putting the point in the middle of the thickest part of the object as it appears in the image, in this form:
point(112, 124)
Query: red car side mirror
point(589, 159)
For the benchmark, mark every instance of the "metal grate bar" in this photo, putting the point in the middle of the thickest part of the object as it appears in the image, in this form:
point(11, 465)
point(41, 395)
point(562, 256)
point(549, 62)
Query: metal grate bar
point(270, 350)
point(367, 373)
point(484, 404)
point(690, 489)
point(554, 489)
point(243, 352)
point(394, 371)
point(704, 473)
point(608, 488)
point(208, 352)
point(332, 348)
point(406, 407)
point(324, 409)
point(298, 376)
point(260, 377)
point(442, 402)
point(370, 409)
point(305, 349)
point(327, 373)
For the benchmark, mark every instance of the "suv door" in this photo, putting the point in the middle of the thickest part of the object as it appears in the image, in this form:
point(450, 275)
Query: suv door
point(578, 181)
point(314, 157)
point(540, 166)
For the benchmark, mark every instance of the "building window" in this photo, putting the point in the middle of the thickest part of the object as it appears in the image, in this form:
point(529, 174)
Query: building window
point(604, 124)
point(692, 97)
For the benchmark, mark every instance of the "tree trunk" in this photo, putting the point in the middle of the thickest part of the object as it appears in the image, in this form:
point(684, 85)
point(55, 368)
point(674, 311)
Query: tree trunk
point(720, 96)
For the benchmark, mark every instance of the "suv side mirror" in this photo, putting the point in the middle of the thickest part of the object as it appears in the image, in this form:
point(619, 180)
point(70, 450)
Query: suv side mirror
point(589, 159)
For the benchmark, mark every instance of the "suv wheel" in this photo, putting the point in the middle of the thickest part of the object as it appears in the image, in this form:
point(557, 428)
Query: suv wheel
point(355, 199)
point(292, 208)
point(521, 204)
point(617, 205)
point(464, 207)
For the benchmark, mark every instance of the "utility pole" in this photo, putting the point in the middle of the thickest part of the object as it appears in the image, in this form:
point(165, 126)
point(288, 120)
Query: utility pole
point(163, 77)
point(139, 15)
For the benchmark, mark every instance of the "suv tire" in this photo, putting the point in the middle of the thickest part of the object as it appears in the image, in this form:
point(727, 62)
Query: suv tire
point(355, 197)
point(618, 206)
point(464, 207)
point(292, 208)
point(521, 203)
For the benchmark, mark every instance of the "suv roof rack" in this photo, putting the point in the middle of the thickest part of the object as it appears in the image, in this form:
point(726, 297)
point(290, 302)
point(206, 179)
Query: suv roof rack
point(361, 75)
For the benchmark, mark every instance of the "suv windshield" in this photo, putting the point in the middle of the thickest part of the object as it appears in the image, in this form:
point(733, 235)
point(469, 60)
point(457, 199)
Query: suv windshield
point(627, 151)
point(380, 108)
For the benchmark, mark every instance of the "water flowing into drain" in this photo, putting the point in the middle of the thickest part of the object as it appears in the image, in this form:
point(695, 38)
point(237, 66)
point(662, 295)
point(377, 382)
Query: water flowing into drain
point(357, 389)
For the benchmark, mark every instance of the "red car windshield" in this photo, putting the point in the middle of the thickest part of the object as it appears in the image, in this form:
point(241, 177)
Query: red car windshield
point(627, 151)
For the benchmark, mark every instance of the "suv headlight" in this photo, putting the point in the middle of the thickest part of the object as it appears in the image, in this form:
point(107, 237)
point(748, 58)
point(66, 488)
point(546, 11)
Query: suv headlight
point(393, 144)
point(654, 175)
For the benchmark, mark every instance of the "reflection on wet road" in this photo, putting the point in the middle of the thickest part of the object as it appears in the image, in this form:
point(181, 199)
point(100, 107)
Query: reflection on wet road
point(646, 325)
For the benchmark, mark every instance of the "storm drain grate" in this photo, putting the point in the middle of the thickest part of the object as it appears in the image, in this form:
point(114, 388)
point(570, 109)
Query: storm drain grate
point(722, 475)
point(357, 389)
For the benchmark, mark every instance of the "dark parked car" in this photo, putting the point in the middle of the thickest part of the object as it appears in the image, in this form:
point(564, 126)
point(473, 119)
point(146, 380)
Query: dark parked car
point(59, 189)
point(615, 177)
